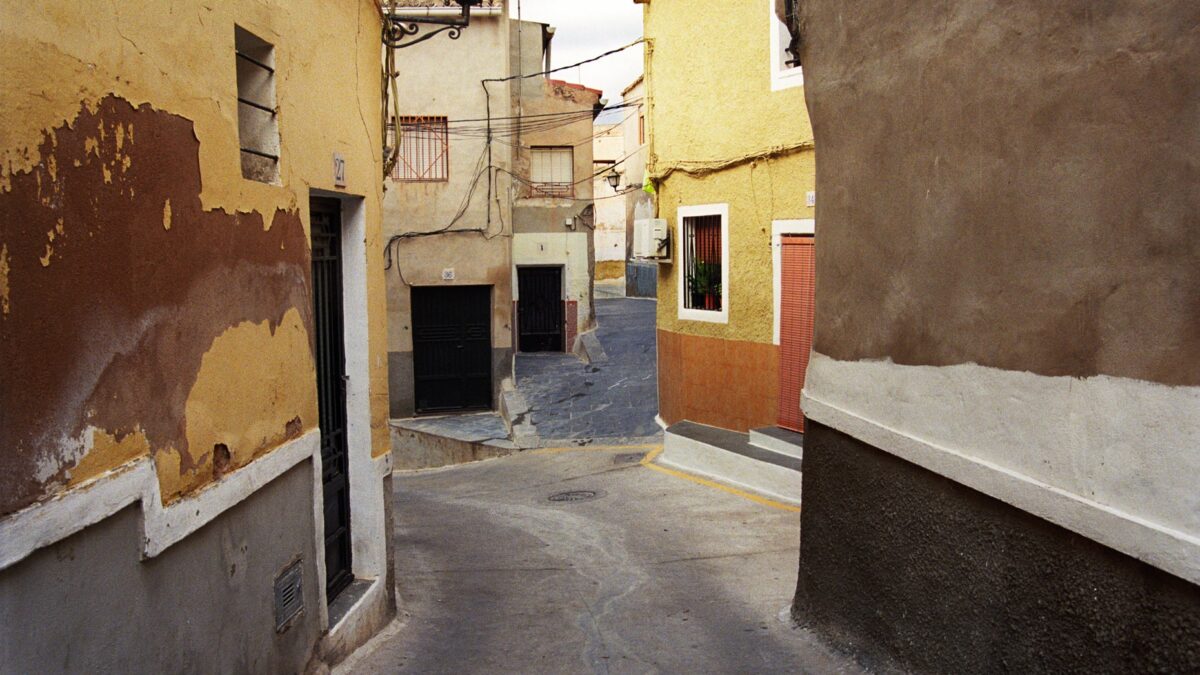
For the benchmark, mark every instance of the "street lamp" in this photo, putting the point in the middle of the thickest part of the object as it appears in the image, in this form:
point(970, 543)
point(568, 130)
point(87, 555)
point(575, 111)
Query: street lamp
point(396, 28)
point(613, 179)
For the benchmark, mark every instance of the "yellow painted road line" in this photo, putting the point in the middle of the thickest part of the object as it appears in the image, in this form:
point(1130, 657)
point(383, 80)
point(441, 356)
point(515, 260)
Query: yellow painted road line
point(610, 448)
point(648, 462)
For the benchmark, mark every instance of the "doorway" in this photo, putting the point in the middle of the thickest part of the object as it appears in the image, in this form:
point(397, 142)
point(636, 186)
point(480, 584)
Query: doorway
point(452, 348)
point(328, 325)
point(797, 283)
point(539, 309)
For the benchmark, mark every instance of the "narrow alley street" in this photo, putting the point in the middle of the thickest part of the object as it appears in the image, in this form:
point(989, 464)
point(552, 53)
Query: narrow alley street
point(654, 573)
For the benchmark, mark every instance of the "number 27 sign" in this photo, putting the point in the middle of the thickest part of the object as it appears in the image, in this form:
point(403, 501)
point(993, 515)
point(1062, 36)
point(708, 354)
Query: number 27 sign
point(339, 170)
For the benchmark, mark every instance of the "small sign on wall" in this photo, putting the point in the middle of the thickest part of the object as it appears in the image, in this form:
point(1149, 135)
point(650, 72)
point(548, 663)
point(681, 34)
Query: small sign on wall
point(810, 198)
point(339, 170)
point(448, 274)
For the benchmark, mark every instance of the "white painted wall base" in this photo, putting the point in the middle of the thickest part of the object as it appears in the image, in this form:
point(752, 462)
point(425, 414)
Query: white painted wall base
point(693, 456)
point(1113, 459)
point(47, 522)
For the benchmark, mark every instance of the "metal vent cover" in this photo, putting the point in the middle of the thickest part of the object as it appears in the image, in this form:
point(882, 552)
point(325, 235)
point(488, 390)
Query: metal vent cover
point(576, 495)
point(289, 595)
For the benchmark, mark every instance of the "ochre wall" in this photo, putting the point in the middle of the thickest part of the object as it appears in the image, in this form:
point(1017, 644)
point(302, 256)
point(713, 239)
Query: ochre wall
point(710, 111)
point(151, 299)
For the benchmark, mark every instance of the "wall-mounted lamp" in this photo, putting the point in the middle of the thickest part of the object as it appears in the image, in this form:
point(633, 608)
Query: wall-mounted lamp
point(396, 28)
point(613, 179)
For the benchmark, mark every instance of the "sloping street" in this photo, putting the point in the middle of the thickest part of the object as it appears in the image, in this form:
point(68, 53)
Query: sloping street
point(654, 573)
point(612, 399)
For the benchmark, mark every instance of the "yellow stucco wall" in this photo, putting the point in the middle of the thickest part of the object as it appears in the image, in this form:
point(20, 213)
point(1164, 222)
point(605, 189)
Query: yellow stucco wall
point(757, 193)
point(60, 60)
point(713, 107)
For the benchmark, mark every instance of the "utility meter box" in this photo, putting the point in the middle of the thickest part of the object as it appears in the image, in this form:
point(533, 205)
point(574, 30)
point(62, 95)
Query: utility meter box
point(652, 239)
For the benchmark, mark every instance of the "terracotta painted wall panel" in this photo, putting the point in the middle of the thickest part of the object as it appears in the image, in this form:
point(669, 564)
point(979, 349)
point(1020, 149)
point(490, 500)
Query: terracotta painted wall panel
point(724, 383)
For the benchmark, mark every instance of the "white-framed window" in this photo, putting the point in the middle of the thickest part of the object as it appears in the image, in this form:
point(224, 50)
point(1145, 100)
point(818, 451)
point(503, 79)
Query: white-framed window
point(703, 275)
point(552, 171)
point(258, 118)
point(780, 228)
point(783, 74)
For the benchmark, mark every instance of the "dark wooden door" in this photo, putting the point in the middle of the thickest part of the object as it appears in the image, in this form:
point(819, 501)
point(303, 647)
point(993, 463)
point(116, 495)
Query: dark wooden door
point(452, 347)
point(539, 309)
point(331, 389)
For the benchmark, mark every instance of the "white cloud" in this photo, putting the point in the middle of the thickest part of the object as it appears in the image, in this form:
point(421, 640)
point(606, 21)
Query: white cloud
point(587, 28)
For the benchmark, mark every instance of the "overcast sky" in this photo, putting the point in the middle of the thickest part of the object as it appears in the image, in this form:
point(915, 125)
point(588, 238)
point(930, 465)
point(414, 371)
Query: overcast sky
point(587, 28)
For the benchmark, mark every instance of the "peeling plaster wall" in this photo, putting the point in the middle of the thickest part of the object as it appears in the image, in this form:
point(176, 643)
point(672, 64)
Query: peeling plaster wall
point(153, 300)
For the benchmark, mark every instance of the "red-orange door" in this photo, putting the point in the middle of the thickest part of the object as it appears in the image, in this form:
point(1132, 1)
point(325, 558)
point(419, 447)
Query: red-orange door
point(797, 278)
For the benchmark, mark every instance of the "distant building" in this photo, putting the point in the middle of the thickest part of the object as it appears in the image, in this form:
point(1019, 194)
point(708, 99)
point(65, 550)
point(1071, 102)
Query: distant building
point(194, 461)
point(608, 148)
point(641, 276)
point(490, 244)
point(731, 162)
point(1003, 437)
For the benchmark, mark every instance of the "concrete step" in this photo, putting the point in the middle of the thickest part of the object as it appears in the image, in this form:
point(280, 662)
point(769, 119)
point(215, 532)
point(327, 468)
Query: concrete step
point(729, 457)
point(784, 441)
point(422, 443)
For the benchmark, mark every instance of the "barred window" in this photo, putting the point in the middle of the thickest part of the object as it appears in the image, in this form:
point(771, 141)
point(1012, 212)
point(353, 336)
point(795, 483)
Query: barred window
point(702, 263)
point(424, 155)
point(552, 171)
point(258, 124)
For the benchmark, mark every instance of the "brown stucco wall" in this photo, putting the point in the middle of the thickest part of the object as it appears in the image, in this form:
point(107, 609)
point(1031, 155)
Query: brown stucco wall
point(118, 291)
point(733, 384)
point(1015, 188)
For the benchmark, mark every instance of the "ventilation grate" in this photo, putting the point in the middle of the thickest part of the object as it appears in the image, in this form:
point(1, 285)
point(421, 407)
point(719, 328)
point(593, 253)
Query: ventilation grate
point(289, 595)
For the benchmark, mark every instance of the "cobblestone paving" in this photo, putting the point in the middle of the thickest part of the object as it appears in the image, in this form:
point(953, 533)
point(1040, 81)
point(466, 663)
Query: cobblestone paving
point(616, 399)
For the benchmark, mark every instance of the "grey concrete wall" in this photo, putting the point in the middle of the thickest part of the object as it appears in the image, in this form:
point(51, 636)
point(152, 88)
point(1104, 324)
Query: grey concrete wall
point(88, 604)
point(400, 380)
point(908, 568)
point(641, 279)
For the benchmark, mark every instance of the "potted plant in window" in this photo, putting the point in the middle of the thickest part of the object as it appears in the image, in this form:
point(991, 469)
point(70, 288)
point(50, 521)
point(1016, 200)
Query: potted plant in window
point(705, 285)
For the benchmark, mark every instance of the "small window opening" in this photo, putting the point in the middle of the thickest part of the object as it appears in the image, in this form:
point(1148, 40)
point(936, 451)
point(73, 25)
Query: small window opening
point(258, 118)
point(424, 153)
point(702, 263)
point(552, 171)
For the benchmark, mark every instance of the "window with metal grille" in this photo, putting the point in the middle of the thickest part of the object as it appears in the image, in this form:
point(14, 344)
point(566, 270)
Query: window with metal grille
point(424, 155)
point(702, 263)
point(552, 171)
point(258, 118)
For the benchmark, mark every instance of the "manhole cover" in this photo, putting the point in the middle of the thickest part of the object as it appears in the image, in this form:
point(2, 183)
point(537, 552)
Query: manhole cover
point(575, 496)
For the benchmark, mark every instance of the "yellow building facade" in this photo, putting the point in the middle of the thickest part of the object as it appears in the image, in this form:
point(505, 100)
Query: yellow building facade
point(728, 136)
point(162, 412)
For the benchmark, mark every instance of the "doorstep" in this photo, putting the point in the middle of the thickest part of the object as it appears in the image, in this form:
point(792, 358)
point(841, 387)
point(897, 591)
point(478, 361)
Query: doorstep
point(731, 458)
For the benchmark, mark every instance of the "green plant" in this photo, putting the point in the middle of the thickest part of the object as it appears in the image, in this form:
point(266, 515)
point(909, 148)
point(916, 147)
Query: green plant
point(705, 278)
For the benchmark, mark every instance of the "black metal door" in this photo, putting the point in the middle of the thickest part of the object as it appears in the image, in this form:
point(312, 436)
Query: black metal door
point(331, 389)
point(539, 309)
point(452, 347)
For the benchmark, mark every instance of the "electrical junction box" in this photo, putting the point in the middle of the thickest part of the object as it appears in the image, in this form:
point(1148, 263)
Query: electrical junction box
point(652, 239)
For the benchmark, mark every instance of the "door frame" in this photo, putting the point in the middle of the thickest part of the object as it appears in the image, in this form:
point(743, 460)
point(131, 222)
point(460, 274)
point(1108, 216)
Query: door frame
point(779, 228)
point(368, 530)
point(491, 312)
point(562, 299)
